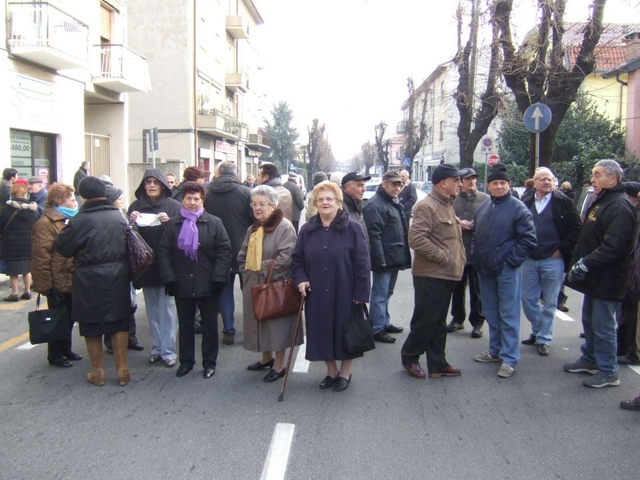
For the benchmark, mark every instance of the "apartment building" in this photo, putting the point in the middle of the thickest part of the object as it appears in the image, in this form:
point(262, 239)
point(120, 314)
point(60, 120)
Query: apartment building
point(205, 69)
point(65, 76)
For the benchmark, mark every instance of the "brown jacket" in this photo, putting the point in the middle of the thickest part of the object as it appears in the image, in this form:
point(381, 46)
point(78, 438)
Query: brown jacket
point(49, 269)
point(436, 237)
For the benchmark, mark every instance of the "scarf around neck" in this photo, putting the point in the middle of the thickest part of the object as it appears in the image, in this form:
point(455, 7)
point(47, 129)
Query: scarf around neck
point(188, 238)
point(67, 212)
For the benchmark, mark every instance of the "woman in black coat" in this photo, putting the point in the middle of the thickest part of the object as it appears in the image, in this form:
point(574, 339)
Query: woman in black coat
point(16, 221)
point(195, 260)
point(97, 239)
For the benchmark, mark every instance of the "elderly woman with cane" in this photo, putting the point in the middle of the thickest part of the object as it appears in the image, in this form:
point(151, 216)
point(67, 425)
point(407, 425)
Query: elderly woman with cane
point(331, 267)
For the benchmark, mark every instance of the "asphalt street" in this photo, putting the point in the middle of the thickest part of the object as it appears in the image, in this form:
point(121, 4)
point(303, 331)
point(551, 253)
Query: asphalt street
point(542, 423)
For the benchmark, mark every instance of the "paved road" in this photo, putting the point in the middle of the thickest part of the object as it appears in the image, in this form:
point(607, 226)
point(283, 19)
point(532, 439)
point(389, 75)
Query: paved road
point(540, 424)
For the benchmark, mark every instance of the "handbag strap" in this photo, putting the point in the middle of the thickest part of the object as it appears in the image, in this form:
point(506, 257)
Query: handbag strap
point(38, 303)
point(270, 273)
point(13, 215)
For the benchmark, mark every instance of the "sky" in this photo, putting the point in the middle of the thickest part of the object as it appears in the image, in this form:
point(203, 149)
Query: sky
point(346, 62)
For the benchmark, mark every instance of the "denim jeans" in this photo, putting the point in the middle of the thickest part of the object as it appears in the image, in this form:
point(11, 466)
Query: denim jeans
point(381, 291)
point(541, 277)
point(600, 340)
point(501, 307)
point(163, 321)
point(228, 305)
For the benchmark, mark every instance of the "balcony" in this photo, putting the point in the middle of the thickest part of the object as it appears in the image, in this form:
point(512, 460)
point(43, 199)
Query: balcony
point(258, 140)
point(237, 82)
point(45, 35)
point(120, 69)
point(238, 27)
point(216, 122)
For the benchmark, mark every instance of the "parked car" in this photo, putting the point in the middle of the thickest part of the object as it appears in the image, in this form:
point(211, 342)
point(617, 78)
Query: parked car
point(425, 187)
point(371, 187)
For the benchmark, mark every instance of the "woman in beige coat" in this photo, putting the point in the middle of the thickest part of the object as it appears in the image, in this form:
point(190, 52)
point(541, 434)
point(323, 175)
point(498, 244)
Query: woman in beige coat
point(271, 237)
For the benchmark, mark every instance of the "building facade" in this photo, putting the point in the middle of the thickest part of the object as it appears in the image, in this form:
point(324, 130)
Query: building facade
point(66, 75)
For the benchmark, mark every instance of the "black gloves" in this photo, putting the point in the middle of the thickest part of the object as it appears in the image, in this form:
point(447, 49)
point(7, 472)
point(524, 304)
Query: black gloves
point(578, 272)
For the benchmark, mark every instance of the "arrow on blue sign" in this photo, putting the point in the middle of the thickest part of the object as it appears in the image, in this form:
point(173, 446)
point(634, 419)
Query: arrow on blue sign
point(537, 117)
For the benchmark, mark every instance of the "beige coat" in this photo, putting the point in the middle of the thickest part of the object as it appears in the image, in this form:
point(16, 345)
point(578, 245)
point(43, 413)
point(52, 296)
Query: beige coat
point(436, 237)
point(49, 269)
point(279, 242)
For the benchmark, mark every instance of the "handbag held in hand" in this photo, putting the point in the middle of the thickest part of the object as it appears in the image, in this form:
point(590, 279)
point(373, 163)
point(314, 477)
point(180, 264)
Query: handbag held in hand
point(358, 331)
point(51, 325)
point(275, 299)
point(140, 256)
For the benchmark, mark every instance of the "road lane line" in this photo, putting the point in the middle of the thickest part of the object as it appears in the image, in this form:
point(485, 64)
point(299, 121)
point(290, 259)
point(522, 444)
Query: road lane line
point(27, 346)
point(14, 341)
point(12, 306)
point(635, 368)
point(275, 466)
point(301, 365)
point(564, 316)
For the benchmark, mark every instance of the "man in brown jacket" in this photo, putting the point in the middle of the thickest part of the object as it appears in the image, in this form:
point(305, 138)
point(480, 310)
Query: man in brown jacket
point(436, 237)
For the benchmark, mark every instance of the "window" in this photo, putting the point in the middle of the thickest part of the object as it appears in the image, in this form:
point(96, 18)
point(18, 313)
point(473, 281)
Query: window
point(441, 130)
point(442, 90)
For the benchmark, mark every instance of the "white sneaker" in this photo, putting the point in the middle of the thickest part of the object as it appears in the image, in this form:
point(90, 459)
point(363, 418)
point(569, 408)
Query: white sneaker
point(486, 357)
point(505, 370)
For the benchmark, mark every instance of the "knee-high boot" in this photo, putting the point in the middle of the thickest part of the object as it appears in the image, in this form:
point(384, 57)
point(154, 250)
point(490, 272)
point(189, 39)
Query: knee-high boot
point(120, 341)
point(94, 348)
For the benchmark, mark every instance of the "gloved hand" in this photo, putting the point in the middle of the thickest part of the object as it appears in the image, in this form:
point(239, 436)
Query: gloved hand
point(578, 272)
point(380, 268)
point(170, 289)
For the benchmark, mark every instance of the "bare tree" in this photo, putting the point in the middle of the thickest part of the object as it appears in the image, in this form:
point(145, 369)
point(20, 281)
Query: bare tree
point(382, 146)
point(474, 123)
point(414, 126)
point(368, 155)
point(316, 133)
point(537, 71)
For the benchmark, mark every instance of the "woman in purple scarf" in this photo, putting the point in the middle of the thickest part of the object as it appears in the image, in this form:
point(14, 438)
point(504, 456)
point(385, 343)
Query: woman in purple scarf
point(195, 260)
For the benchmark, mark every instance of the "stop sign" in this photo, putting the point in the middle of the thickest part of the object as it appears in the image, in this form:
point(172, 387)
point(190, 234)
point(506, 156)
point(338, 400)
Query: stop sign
point(493, 160)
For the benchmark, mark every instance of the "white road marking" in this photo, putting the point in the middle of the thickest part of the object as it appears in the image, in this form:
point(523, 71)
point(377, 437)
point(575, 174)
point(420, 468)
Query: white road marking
point(26, 346)
point(564, 316)
point(275, 465)
point(301, 365)
point(635, 368)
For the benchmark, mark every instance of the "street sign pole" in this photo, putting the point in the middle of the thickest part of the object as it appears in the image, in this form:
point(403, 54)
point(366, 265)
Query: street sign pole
point(486, 162)
point(536, 119)
point(537, 153)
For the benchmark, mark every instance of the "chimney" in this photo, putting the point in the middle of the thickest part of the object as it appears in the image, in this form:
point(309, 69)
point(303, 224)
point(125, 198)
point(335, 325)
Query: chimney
point(632, 42)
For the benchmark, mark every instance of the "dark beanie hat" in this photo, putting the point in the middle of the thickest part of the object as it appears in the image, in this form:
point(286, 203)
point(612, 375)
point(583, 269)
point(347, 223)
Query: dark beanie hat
point(632, 188)
point(444, 171)
point(113, 193)
point(498, 172)
point(92, 187)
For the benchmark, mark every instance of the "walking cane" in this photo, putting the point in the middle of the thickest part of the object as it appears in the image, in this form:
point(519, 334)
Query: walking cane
point(293, 343)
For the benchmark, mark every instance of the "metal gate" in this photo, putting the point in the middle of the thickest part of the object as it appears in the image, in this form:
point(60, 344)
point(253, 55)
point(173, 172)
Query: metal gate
point(97, 150)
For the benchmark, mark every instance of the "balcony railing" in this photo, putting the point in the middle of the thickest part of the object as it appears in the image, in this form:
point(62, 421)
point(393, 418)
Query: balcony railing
point(218, 120)
point(238, 27)
point(44, 34)
point(121, 69)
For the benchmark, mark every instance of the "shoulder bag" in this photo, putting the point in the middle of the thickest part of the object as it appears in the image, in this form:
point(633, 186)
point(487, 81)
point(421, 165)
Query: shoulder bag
point(50, 325)
point(140, 256)
point(358, 331)
point(275, 299)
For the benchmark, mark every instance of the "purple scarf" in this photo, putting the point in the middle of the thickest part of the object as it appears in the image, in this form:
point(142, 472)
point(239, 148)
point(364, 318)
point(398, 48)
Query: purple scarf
point(188, 238)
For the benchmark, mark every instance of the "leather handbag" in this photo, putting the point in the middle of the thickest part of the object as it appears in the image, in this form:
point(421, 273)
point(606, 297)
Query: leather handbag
point(275, 299)
point(50, 325)
point(358, 331)
point(140, 256)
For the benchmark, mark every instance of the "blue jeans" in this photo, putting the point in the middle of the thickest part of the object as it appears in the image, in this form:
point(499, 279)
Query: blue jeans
point(228, 305)
point(501, 307)
point(600, 340)
point(381, 291)
point(163, 321)
point(541, 277)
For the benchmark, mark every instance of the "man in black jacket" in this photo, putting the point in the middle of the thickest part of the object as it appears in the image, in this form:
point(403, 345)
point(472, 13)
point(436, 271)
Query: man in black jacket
point(600, 268)
point(151, 211)
point(388, 238)
point(558, 227)
point(230, 201)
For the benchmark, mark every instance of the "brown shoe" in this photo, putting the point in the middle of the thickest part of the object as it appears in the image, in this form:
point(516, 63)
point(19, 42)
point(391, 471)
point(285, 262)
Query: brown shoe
point(94, 348)
point(563, 307)
point(447, 371)
point(415, 370)
point(228, 338)
point(631, 404)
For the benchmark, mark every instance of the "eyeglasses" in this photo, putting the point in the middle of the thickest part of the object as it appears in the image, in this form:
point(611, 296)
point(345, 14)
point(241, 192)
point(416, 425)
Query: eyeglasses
point(598, 175)
point(261, 205)
point(396, 184)
point(325, 199)
point(152, 181)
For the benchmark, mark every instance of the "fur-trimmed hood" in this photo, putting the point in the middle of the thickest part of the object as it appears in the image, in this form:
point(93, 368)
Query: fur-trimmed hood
point(270, 223)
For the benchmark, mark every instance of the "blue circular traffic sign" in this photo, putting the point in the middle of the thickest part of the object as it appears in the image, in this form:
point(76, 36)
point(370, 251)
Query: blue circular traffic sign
point(537, 117)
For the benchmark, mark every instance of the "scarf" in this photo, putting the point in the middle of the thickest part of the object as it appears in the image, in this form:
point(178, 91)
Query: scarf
point(188, 238)
point(67, 212)
point(254, 251)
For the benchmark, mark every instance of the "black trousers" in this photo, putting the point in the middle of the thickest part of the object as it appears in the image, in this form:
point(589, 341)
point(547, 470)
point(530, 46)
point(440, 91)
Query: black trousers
point(57, 350)
point(209, 308)
point(627, 330)
point(458, 301)
point(428, 332)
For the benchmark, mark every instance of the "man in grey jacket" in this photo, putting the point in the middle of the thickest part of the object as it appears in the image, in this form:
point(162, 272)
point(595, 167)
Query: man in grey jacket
point(353, 189)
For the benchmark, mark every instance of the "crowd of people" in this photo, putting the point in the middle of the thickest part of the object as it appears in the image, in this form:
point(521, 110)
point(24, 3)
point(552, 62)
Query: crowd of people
point(511, 253)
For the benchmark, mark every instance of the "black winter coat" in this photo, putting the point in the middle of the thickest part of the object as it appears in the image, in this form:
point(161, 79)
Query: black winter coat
point(230, 201)
point(16, 238)
point(153, 235)
point(97, 239)
point(605, 245)
point(387, 229)
point(566, 220)
point(185, 277)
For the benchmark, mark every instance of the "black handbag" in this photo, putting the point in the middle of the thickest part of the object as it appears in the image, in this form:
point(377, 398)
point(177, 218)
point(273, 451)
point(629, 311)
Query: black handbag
point(51, 325)
point(140, 256)
point(358, 331)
